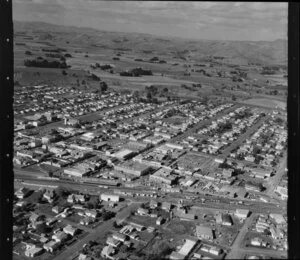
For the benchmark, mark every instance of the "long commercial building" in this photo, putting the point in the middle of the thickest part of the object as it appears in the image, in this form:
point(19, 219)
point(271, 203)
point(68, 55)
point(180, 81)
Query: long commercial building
point(135, 168)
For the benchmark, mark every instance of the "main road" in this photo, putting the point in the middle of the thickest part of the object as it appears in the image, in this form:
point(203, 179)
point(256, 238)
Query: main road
point(237, 243)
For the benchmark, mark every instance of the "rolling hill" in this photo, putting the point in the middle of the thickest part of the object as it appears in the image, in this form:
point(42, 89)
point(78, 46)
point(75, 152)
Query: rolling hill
point(236, 52)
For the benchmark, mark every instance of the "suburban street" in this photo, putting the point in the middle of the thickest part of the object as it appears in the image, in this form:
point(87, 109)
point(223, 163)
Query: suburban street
point(99, 232)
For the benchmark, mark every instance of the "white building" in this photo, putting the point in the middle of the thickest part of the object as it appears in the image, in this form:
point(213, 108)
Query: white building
point(110, 197)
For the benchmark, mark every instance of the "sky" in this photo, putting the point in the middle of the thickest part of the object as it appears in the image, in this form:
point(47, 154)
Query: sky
point(242, 21)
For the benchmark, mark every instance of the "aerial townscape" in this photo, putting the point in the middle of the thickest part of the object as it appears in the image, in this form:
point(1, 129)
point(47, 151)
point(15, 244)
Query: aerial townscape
point(135, 146)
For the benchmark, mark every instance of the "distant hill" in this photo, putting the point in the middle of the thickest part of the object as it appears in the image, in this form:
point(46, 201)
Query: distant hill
point(263, 52)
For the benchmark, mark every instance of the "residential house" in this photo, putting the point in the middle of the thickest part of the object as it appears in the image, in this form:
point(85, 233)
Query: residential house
point(35, 217)
point(22, 193)
point(49, 195)
point(120, 237)
point(113, 242)
point(160, 220)
point(51, 246)
point(107, 251)
point(166, 206)
point(70, 230)
point(92, 213)
point(142, 211)
point(60, 236)
point(242, 213)
point(203, 232)
point(153, 204)
point(57, 209)
point(87, 221)
point(33, 251)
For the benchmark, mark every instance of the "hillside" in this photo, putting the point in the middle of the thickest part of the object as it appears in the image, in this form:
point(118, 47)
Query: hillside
point(236, 52)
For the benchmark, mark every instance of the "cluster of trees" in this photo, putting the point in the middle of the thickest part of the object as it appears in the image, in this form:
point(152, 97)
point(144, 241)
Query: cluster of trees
point(54, 50)
point(93, 248)
point(44, 63)
point(243, 114)
point(273, 92)
point(136, 72)
point(55, 55)
point(156, 60)
point(269, 70)
point(191, 88)
point(108, 215)
point(225, 127)
point(278, 120)
point(94, 77)
point(103, 67)
point(202, 71)
point(151, 91)
point(103, 86)
point(197, 85)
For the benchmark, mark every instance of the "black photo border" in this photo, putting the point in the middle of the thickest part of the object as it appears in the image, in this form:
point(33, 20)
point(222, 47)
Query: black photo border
point(293, 132)
point(6, 128)
point(7, 133)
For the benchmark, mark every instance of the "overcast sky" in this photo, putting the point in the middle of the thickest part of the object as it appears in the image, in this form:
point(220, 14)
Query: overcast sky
point(196, 20)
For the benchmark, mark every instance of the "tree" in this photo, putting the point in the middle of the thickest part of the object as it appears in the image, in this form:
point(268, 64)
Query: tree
point(90, 205)
point(278, 120)
point(50, 174)
point(108, 215)
point(103, 86)
point(136, 94)
point(17, 83)
point(149, 96)
point(43, 228)
point(123, 249)
point(62, 192)
point(256, 150)
point(159, 251)
point(115, 225)
point(205, 100)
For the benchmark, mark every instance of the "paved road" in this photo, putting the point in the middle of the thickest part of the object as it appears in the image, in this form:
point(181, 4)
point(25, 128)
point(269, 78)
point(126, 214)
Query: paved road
point(60, 122)
point(204, 122)
point(234, 252)
point(274, 181)
point(262, 251)
point(243, 137)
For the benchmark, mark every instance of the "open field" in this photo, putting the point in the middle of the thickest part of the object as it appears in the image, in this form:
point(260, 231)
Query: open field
point(269, 103)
